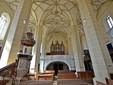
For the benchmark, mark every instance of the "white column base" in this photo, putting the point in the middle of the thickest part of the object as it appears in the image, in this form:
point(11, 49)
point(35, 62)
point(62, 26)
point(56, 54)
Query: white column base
point(99, 79)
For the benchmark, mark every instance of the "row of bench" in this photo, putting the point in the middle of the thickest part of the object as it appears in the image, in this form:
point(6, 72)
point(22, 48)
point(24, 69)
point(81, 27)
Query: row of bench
point(49, 75)
point(66, 76)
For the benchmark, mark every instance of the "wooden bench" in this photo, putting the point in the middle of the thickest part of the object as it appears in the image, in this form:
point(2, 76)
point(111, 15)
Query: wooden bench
point(66, 75)
point(45, 77)
point(85, 75)
point(63, 71)
point(49, 72)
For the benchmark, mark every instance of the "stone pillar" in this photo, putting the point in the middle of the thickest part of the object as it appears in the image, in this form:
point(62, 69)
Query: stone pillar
point(84, 43)
point(13, 40)
point(38, 46)
point(23, 66)
point(70, 51)
point(70, 46)
point(34, 53)
point(77, 50)
point(32, 65)
point(42, 60)
point(100, 57)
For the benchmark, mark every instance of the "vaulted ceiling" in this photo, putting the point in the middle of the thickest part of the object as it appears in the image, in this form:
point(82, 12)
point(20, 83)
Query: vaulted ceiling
point(56, 16)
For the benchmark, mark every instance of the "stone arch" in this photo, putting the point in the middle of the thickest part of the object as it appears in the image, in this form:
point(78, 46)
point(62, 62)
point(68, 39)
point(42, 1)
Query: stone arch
point(58, 61)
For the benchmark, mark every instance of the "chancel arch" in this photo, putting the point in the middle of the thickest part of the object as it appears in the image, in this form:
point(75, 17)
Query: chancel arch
point(50, 65)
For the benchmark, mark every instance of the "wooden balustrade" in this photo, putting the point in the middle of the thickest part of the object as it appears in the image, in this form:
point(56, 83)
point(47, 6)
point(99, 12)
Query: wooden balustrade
point(8, 73)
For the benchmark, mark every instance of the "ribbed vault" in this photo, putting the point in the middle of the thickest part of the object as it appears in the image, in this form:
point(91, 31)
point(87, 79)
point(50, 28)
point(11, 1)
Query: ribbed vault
point(56, 16)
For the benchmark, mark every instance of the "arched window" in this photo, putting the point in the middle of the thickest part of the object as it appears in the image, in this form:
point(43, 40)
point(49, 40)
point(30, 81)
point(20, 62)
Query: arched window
point(4, 23)
point(110, 21)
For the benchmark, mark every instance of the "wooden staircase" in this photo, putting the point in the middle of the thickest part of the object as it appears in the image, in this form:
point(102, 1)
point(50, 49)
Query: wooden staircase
point(8, 74)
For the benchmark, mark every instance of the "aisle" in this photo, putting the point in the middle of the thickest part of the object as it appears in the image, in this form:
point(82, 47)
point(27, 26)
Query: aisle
point(55, 82)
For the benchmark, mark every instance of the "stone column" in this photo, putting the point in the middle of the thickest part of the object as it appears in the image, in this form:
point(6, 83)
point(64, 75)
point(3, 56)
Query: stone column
point(70, 51)
point(100, 57)
point(77, 50)
point(84, 43)
point(38, 46)
point(42, 60)
point(13, 40)
point(34, 53)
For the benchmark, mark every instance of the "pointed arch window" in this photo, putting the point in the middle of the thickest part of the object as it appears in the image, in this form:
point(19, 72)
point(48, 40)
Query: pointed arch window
point(110, 21)
point(4, 23)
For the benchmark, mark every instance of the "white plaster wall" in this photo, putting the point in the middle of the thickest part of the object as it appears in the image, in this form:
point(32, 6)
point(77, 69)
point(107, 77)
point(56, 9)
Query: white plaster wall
point(67, 59)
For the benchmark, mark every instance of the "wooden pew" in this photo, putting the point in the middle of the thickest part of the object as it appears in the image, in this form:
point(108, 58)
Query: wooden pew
point(63, 71)
point(45, 77)
point(86, 76)
point(49, 72)
point(66, 75)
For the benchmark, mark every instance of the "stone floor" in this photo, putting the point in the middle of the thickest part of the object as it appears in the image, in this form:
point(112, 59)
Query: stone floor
point(55, 82)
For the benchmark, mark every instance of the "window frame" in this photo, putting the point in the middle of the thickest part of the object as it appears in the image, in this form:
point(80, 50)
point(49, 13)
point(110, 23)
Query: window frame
point(6, 22)
point(109, 22)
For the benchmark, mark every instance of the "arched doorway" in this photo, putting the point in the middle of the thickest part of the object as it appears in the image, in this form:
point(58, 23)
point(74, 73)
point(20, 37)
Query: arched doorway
point(57, 66)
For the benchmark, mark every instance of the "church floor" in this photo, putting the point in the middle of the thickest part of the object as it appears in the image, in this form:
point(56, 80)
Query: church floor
point(59, 82)
point(55, 82)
